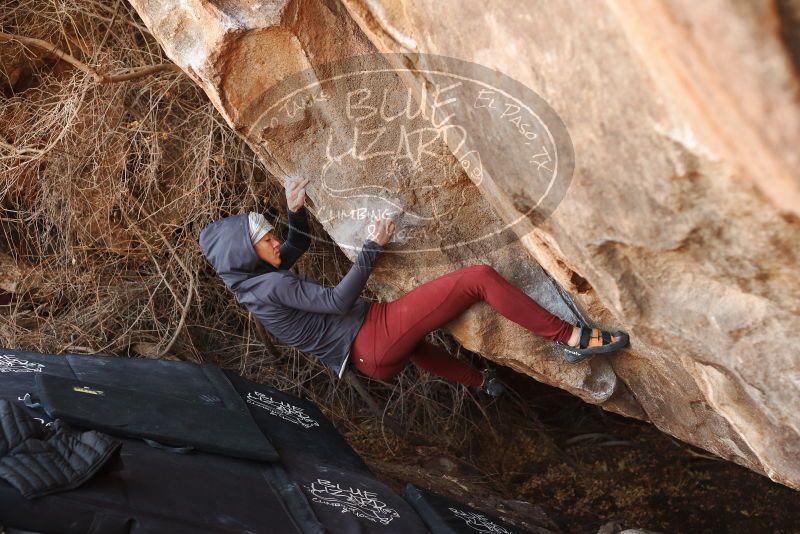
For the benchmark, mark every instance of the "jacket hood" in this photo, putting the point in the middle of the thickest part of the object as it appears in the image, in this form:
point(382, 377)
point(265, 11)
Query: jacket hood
point(226, 245)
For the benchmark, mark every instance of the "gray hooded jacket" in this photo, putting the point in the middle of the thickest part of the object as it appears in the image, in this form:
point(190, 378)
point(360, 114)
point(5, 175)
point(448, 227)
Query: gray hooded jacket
point(299, 312)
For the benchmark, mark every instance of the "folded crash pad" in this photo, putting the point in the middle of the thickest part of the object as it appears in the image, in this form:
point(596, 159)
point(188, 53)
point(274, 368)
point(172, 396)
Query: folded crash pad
point(165, 419)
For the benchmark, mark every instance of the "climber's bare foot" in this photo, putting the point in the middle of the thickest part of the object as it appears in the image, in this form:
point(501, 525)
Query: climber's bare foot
point(594, 341)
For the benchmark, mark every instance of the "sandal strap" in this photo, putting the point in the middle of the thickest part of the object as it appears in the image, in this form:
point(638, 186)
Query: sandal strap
point(606, 337)
point(586, 334)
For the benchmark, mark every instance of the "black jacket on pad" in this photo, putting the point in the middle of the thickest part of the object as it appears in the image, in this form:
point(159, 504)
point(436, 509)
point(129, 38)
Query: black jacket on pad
point(38, 460)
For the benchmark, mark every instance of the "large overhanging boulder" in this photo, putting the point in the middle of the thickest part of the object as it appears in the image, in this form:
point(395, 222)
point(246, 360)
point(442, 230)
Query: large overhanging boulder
point(681, 221)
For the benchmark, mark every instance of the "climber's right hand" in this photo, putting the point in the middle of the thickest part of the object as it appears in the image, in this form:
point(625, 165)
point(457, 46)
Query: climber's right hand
point(383, 231)
point(295, 193)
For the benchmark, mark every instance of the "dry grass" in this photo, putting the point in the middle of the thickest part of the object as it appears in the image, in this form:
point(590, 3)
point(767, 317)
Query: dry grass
point(104, 189)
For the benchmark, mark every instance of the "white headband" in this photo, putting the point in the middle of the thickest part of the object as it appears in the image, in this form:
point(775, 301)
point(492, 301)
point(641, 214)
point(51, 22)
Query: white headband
point(258, 226)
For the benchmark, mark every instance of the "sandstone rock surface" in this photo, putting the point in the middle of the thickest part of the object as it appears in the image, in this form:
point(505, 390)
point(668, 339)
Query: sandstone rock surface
point(681, 223)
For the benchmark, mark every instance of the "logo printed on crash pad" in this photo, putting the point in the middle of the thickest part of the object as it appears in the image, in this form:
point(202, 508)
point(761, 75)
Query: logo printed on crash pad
point(361, 503)
point(11, 364)
point(284, 410)
point(87, 389)
point(479, 522)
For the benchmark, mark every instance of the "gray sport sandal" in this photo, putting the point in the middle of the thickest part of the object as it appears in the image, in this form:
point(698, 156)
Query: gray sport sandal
point(583, 351)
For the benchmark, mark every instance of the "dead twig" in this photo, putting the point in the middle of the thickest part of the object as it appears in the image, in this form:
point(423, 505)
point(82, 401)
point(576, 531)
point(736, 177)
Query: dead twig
point(52, 49)
point(182, 321)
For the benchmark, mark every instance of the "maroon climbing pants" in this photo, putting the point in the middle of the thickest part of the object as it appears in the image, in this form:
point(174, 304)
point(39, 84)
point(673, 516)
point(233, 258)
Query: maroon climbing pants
point(394, 332)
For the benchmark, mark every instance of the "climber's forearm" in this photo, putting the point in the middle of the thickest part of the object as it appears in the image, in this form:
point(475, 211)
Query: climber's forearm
point(299, 236)
point(349, 289)
point(298, 240)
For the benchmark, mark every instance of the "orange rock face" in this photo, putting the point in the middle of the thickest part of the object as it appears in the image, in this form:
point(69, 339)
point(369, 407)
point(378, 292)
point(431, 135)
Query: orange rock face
point(676, 207)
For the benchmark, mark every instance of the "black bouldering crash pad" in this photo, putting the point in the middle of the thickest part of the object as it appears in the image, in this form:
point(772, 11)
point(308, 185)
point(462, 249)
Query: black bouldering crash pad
point(319, 484)
point(343, 492)
point(446, 516)
point(148, 490)
point(350, 502)
point(296, 426)
point(155, 492)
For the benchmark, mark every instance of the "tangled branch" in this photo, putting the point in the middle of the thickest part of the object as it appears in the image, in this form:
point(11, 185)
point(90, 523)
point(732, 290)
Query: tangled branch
point(52, 49)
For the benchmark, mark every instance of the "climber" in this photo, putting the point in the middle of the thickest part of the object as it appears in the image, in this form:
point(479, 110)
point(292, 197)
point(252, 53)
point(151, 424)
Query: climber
point(378, 338)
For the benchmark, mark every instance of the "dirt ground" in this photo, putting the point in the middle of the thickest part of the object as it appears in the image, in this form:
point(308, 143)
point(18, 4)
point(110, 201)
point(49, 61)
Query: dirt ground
point(580, 467)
